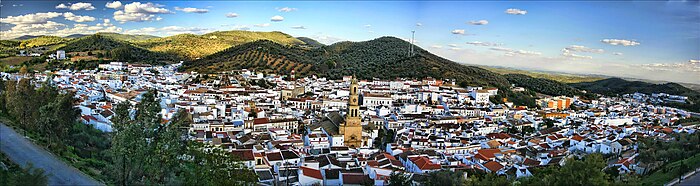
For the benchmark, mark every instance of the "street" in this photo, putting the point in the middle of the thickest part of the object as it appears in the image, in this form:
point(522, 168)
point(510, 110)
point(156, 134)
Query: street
point(22, 151)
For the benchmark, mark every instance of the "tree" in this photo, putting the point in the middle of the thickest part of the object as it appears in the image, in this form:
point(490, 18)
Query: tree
point(488, 179)
point(399, 179)
point(445, 178)
point(21, 108)
point(23, 176)
point(586, 172)
point(23, 70)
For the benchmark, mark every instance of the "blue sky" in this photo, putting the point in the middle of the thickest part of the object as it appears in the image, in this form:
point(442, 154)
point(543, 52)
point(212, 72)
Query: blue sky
point(641, 39)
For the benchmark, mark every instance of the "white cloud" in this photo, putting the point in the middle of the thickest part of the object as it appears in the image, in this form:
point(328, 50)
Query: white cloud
point(286, 9)
point(325, 38)
point(617, 53)
point(62, 6)
point(231, 15)
point(479, 22)
point(168, 30)
point(77, 6)
point(515, 11)
point(436, 46)
point(568, 53)
point(513, 52)
point(58, 29)
point(114, 5)
point(455, 48)
point(277, 18)
point(694, 61)
point(419, 24)
point(192, 10)
point(452, 45)
point(146, 8)
point(35, 18)
point(72, 17)
point(479, 43)
point(298, 27)
point(579, 48)
point(122, 17)
point(367, 26)
point(262, 25)
point(139, 12)
point(458, 31)
point(144, 30)
point(621, 42)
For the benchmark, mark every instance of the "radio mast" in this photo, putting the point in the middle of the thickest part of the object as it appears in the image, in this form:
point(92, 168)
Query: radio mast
point(413, 34)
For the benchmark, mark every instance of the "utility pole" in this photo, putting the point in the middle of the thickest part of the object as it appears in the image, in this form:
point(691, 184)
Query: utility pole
point(413, 34)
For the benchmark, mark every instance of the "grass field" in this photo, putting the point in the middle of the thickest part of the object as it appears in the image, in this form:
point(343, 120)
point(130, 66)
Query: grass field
point(14, 60)
point(661, 177)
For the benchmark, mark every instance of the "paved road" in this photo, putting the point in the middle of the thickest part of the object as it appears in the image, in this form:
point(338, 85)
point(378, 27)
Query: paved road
point(692, 180)
point(22, 151)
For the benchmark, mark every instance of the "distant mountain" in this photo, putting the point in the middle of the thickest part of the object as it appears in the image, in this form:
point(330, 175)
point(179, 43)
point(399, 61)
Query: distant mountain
point(542, 85)
point(127, 37)
point(556, 76)
point(73, 36)
point(197, 46)
point(618, 86)
point(311, 42)
point(25, 37)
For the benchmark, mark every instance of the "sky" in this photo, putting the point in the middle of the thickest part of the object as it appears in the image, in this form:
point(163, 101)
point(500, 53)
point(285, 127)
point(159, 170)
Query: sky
point(656, 40)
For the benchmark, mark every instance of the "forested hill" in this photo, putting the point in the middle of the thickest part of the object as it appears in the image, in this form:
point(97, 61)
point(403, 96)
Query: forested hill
point(116, 49)
point(384, 58)
point(541, 85)
point(618, 86)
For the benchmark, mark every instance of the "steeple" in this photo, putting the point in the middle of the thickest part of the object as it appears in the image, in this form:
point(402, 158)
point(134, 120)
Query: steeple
point(352, 128)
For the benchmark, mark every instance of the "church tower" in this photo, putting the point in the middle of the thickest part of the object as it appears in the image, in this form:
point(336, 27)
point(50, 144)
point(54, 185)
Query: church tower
point(352, 128)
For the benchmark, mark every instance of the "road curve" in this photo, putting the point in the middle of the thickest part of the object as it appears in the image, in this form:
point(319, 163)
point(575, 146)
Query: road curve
point(22, 151)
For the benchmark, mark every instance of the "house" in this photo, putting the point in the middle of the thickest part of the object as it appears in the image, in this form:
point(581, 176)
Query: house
point(421, 164)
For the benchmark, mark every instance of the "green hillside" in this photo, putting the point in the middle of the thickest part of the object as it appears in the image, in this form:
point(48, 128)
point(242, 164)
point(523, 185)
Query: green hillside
point(541, 85)
point(618, 86)
point(560, 77)
point(127, 37)
point(42, 41)
point(310, 42)
point(197, 46)
point(118, 49)
point(378, 58)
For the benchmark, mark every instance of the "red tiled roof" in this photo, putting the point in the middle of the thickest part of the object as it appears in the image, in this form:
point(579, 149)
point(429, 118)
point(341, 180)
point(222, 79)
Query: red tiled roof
point(488, 153)
point(577, 137)
point(493, 166)
point(311, 172)
point(531, 162)
point(258, 121)
point(424, 163)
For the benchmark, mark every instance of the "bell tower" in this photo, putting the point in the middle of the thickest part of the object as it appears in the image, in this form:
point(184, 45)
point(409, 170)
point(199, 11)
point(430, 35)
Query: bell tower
point(352, 129)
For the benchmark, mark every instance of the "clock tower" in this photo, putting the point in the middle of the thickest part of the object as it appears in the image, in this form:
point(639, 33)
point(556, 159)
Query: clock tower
point(352, 128)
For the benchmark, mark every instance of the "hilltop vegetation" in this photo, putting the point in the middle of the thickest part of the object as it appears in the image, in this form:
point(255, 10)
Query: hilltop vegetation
point(193, 46)
point(617, 86)
point(382, 58)
point(378, 58)
point(42, 41)
point(118, 50)
point(311, 42)
point(541, 85)
point(126, 37)
point(560, 77)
